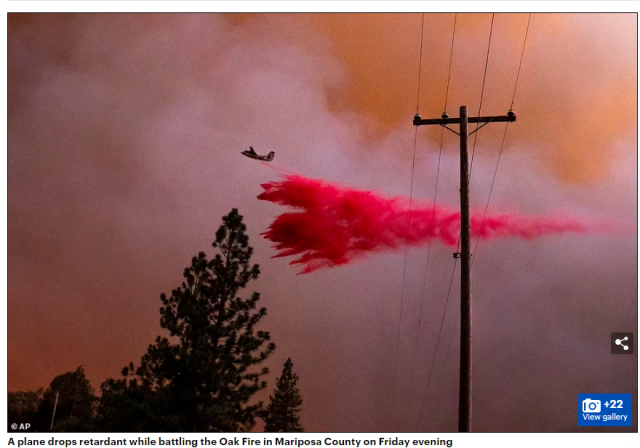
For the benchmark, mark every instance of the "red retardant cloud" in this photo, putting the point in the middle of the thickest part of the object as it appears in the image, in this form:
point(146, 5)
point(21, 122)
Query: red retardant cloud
point(336, 225)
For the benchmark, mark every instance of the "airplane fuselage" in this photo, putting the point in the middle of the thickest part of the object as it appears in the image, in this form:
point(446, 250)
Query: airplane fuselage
point(256, 156)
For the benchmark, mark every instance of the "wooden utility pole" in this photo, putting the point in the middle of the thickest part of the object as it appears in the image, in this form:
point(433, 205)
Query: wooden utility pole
point(54, 411)
point(464, 406)
point(464, 409)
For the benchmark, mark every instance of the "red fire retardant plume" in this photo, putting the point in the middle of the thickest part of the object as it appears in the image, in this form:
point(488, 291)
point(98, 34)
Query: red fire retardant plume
point(335, 225)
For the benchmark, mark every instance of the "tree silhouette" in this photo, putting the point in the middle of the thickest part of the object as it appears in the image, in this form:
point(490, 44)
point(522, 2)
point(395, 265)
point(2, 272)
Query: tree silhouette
point(201, 378)
point(282, 414)
point(23, 407)
point(129, 406)
point(71, 395)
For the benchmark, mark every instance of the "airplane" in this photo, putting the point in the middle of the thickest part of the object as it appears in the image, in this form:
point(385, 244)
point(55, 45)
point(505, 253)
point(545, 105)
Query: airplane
point(254, 155)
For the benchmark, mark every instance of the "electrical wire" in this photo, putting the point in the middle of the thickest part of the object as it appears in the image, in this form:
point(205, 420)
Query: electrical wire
point(406, 251)
point(424, 282)
point(453, 39)
point(526, 34)
point(504, 136)
point(484, 78)
point(435, 352)
point(420, 63)
point(492, 185)
point(435, 195)
point(404, 276)
point(458, 246)
point(453, 334)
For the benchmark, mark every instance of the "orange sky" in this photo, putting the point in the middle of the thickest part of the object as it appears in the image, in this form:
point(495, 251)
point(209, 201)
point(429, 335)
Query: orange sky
point(576, 94)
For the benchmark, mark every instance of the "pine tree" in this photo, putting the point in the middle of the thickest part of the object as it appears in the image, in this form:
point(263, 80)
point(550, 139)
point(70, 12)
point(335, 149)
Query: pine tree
point(282, 414)
point(201, 378)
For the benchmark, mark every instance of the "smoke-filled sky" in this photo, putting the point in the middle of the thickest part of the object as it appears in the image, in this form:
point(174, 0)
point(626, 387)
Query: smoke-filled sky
point(124, 134)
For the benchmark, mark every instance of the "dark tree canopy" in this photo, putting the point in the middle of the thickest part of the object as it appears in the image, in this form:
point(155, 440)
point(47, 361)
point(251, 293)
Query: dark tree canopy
point(74, 410)
point(128, 406)
point(202, 377)
point(69, 394)
point(23, 407)
point(283, 412)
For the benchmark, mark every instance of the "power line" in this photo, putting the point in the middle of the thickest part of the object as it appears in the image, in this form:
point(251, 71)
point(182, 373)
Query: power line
point(484, 78)
point(495, 172)
point(404, 276)
point(492, 185)
point(424, 282)
point(435, 352)
point(449, 346)
point(435, 195)
point(406, 250)
point(453, 39)
point(526, 33)
point(420, 64)
point(475, 250)
point(458, 245)
point(504, 136)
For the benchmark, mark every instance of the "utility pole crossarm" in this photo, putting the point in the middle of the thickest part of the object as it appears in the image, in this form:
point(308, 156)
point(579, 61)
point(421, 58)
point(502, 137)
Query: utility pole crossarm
point(418, 121)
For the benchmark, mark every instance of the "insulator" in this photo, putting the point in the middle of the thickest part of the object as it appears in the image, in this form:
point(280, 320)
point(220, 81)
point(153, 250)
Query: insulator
point(445, 115)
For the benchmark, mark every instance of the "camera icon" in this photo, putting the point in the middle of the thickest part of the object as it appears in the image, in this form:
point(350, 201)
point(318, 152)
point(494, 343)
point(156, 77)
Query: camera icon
point(589, 405)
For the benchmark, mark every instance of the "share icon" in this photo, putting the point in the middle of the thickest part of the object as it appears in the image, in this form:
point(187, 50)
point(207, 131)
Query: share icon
point(621, 343)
